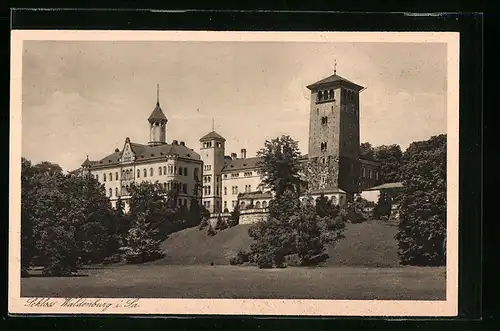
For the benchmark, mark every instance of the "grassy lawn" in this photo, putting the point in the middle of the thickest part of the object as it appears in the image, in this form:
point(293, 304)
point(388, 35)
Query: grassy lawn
point(167, 281)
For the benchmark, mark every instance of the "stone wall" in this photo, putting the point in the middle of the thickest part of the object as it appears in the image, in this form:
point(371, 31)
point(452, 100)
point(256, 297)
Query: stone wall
point(250, 216)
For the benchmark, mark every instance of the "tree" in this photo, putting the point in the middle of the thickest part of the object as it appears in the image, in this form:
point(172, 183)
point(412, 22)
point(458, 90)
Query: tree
point(422, 226)
point(390, 160)
point(325, 207)
point(280, 166)
point(366, 151)
point(383, 206)
point(234, 219)
point(151, 212)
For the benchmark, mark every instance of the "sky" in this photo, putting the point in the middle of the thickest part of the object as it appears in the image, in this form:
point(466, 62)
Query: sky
point(85, 97)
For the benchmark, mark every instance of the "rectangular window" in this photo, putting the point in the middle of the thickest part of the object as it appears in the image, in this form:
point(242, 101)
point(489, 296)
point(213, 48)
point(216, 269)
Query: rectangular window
point(233, 203)
point(116, 175)
point(370, 174)
point(236, 189)
point(104, 176)
point(159, 171)
point(225, 204)
point(185, 171)
point(151, 172)
point(145, 173)
point(363, 172)
point(225, 190)
point(180, 171)
point(376, 175)
point(208, 204)
point(184, 188)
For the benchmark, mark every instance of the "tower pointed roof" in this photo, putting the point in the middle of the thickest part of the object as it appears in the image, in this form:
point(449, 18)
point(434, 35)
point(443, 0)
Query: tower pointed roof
point(212, 135)
point(157, 114)
point(334, 79)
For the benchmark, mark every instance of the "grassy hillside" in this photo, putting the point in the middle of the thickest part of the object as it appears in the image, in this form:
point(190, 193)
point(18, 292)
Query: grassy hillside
point(369, 244)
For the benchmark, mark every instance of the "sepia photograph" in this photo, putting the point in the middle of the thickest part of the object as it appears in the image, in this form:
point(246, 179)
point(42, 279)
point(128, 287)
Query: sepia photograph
point(234, 173)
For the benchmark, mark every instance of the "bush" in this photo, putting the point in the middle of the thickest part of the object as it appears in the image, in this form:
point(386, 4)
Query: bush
point(221, 224)
point(203, 224)
point(234, 219)
point(240, 258)
point(115, 258)
point(210, 230)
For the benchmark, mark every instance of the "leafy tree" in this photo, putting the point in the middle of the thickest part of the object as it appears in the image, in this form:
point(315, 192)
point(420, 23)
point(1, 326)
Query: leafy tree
point(234, 219)
point(383, 206)
point(153, 215)
point(366, 151)
point(422, 226)
point(390, 160)
point(325, 207)
point(280, 166)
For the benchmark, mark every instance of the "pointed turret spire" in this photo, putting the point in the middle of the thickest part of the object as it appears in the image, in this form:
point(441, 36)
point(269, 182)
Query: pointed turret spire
point(157, 114)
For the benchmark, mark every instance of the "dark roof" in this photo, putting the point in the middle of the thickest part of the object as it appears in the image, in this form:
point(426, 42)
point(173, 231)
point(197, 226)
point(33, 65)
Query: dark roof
point(385, 186)
point(373, 162)
point(157, 114)
point(240, 164)
point(334, 79)
point(212, 135)
point(255, 195)
point(145, 152)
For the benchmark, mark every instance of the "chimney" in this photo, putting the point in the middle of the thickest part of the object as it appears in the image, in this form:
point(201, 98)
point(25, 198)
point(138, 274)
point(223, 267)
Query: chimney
point(233, 156)
point(175, 142)
point(243, 153)
point(183, 144)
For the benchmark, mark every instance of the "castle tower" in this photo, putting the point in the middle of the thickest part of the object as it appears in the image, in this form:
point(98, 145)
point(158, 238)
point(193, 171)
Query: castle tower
point(212, 154)
point(334, 129)
point(157, 123)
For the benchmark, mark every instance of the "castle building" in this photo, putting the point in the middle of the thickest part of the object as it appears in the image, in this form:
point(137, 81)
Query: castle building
point(175, 166)
point(332, 167)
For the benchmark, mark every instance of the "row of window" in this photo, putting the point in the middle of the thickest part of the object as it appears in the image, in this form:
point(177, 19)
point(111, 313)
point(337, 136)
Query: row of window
point(257, 205)
point(179, 187)
point(236, 174)
point(371, 174)
point(209, 144)
point(127, 174)
point(325, 95)
point(207, 167)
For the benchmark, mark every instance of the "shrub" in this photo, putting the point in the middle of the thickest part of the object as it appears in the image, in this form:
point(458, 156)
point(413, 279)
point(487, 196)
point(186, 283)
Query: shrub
point(203, 224)
point(210, 230)
point(221, 224)
point(234, 219)
point(240, 258)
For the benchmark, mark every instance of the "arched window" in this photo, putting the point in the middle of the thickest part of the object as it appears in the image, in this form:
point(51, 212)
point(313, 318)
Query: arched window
point(138, 173)
point(110, 192)
point(325, 95)
point(242, 205)
point(332, 94)
point(110, 176)
point(264, 204)
point(151, 172)
point(145, 173)
point(164, 170)
point(97, 177)
point(116, 191)
point(104, 177)
point(116, 175)
point(159, 171)
point(257, 205)
point(334, 200)
point(196, 173)
point(320, 96)
point(225, 190)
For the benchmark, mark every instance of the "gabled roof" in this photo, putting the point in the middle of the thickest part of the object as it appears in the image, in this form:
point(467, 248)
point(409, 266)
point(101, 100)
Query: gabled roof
point(334, 79)
point(145, 152)
point(157, 114)
point(212, 135)
point(240, 164)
